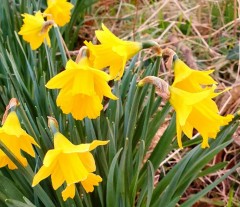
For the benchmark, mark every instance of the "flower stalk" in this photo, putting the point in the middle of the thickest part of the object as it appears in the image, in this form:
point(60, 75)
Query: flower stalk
point(62, 47)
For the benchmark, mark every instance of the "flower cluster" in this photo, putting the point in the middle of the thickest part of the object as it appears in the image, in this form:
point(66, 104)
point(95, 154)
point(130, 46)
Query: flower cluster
point(83, 85)
point(35, 28)
point(82, 88)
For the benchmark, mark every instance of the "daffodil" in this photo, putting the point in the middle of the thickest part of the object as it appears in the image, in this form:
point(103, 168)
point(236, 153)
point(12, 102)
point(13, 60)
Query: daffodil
point(191, 80)
point(35, 29)
point(191, 96)
point(59, 11)
point(112, 52)
point(197, 110)
point(70, 164)
point(82, 89)
point(16, 140)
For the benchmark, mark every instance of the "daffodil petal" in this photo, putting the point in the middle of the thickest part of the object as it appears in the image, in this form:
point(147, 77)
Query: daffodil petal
point(6, 161)
point(77, 173)
point(106, 36)
point(91, 181)
point(88, 161)
point(118, 52)
point(57, 177)
point(69, 192)
point(50, 156)
point(62, 79)
point(42, 174)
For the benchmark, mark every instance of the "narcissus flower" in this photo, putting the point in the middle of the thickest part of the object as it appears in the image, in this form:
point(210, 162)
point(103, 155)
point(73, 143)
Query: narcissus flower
point(112, 52)
point(71, 164)
point(197, 110)
point(82, 89)
point(15, 139)
point(191, 96)
point(59, 11)
point(35, 29)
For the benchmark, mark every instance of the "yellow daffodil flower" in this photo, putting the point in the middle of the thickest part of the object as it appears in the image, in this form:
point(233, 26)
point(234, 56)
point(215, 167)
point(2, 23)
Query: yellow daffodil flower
point(15, 139)
point(190, 80)
point(35, 29)
point(191, 97)
point(71, 164)
point(82, 89)
point(59, 11)
point(112, 52)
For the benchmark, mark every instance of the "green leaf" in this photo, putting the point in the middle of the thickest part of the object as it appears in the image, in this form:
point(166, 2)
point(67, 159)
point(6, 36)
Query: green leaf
point(156, 122)
point(138, 164)
point(234, 54)
point(60, 45)
point(111, 184)
point(231, 195)
point(9, 190)
point(28, 176)
point(212, 169)
point(14, 203)
point(196, 197)
point(176, 181)
point(150, 186)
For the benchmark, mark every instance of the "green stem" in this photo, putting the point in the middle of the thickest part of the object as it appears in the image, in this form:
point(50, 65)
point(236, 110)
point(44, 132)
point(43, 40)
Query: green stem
point(50, 63)
point(149, 44)
point(60, 44)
